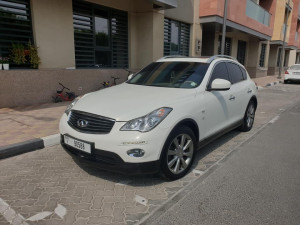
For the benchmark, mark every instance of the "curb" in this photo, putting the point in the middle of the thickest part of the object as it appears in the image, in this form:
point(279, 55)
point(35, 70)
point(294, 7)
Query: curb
point(273, 83)
point(28, 146)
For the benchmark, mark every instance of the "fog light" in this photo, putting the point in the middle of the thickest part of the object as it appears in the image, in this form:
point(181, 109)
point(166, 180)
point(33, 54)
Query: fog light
point(136, 153)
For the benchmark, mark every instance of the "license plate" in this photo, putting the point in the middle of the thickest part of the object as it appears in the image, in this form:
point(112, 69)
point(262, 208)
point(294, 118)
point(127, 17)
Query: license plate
point(80, 145)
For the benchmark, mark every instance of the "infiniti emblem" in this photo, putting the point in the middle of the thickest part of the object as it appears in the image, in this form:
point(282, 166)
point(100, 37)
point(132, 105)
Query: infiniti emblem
point(82, 123)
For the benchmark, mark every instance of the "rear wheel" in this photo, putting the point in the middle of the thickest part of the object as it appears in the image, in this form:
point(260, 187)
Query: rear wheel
point(178, 153)
point(248, 117)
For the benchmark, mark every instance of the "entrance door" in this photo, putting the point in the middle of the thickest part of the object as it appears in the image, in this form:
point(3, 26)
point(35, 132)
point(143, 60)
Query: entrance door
point(241, 53)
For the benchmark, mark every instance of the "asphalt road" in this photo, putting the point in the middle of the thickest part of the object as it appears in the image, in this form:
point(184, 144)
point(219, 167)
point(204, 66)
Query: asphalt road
point(258, 184)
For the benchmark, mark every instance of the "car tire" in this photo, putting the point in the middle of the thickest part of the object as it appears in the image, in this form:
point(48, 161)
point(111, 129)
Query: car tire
point(249, 116)
point(178, 153)
point(285, 81)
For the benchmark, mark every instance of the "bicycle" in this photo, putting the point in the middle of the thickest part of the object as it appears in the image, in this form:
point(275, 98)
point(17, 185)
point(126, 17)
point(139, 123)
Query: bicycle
point(106, 84)
point(60, 96)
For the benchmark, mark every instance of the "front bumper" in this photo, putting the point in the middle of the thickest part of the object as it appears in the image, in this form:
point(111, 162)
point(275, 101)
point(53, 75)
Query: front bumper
point(110, 161)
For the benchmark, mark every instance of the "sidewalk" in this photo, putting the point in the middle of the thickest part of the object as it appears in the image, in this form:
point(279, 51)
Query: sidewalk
point(29, 122)
point(25, 123)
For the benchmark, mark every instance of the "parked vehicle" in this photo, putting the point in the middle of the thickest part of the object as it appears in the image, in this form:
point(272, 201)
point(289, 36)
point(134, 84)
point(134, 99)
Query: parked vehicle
point(157, 120)
point(292, 74)
point(61, 96)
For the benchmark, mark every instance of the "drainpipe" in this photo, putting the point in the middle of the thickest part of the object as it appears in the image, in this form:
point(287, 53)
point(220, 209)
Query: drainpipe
point(283, 47)
point(224, 28)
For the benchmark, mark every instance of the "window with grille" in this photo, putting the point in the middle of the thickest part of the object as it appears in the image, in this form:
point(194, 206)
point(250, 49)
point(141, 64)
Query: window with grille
point(241, 52)
point(15, 24)
point(262, 55)
point(101, 36)
point(227, 49)
point(176, 37)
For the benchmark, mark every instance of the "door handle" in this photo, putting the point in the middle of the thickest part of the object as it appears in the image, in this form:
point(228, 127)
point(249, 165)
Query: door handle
point(249, 91)
point(232, 97)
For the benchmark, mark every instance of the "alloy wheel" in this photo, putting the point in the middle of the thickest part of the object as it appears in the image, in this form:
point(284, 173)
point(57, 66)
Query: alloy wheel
point(250, 115)
point(180, 153)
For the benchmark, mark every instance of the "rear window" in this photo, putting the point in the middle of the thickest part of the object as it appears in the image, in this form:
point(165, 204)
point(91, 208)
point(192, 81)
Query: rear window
point(295, 67)
point(171, 74)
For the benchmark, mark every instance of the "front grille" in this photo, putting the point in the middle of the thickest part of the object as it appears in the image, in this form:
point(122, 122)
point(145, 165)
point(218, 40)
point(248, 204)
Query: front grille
point(95, 124)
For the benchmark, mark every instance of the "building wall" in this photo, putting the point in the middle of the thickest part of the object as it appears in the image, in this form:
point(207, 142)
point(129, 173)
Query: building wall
point(279, 21)
point(33, 87)
point(237, 13)
point(292, 41)
point(53, 32)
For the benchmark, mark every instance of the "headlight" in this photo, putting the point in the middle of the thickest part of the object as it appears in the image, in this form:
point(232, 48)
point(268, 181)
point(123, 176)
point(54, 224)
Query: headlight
point(68, 109)
point(148, 122)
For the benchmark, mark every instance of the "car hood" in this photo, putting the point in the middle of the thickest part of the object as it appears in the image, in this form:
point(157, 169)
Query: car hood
point(128, 101)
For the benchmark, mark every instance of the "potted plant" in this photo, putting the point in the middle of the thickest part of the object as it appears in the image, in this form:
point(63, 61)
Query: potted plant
point(33, 56)
point(0, 63)
point(5, 62)
point(17, 55)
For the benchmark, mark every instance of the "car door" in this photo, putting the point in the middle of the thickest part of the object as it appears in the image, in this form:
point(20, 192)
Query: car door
point(239, 92)
point(217, 115)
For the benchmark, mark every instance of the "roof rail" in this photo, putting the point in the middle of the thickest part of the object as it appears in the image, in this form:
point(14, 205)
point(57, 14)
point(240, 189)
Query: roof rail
point(220, 56)
point(173, 56)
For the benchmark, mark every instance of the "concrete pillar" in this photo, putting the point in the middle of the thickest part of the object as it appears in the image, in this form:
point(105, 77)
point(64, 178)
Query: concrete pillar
point(146, 38)
point(53, 32)
point(253, 57)
point(272, 65)
point(292, 57)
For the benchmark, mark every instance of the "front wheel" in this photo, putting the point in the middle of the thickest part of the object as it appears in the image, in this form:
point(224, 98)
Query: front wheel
point(178, 153)
point(248, 119)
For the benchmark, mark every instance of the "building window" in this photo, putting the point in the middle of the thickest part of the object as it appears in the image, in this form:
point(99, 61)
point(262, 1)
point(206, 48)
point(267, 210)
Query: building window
point(101, 36)
point(262, 55)
point(15, 24)
point(241, 52)
point(176, 38)
point(227, 49)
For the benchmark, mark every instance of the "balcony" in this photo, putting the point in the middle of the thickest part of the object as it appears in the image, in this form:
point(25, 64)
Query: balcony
point(257, 13)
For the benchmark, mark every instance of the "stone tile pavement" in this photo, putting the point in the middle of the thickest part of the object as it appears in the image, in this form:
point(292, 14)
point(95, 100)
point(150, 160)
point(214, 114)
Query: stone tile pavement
point(28, 122)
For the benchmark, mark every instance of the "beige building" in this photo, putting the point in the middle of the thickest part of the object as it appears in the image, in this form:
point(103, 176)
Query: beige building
point(83, 43)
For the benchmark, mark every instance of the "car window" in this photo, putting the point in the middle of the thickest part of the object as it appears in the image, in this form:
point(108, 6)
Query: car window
point(244, 73)
point(295, 67)
point(219, 72)
point(171, 74)
point(235, 73)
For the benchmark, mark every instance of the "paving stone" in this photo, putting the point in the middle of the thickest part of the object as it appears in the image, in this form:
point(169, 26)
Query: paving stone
point(107, 209)
point(97, 203)
point(88, 213)
point(118, 215)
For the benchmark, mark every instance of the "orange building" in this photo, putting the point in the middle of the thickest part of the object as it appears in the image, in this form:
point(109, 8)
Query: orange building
point(254, 32)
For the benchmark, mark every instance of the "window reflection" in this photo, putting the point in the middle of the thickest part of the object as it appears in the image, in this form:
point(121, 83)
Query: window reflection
point(174, 38)
point(102, 28)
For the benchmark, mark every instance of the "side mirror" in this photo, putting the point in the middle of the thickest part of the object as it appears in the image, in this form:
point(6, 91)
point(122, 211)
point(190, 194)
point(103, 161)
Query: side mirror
point(220, 85)
point(130, 76)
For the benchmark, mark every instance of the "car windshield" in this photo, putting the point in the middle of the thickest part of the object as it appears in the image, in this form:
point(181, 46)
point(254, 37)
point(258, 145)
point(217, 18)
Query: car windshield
point(295, 67)
point(171, 74)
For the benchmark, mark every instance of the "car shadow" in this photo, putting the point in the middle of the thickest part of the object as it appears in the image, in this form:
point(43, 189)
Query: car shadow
point(144, 180)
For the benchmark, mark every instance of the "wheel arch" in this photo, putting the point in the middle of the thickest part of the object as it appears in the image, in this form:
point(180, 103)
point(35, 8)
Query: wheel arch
point(191, 124)
point(188, 123)
point(254, 98)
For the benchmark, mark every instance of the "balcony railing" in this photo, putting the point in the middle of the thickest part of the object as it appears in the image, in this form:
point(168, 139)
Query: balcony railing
point(258, 13)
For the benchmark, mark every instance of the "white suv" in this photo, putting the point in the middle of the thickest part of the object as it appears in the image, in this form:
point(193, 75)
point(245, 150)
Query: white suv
point(157, 120)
